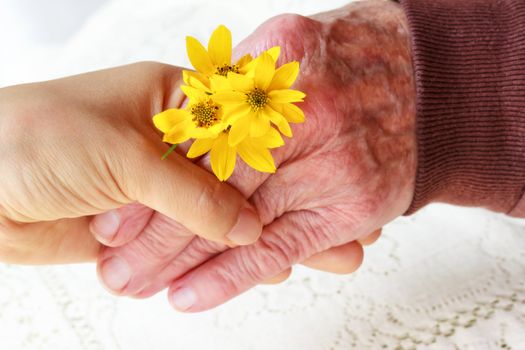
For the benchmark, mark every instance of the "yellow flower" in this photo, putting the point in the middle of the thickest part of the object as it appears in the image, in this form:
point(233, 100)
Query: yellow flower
point(231, 106)
point(202, 118)
point(253, 151)
point(217, 59)
point(245, 65)
point(259, 97)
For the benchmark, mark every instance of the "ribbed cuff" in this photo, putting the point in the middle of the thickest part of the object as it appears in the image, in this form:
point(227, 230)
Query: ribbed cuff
point(469, 61)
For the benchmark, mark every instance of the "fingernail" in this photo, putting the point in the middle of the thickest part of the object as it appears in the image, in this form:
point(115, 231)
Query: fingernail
point(106, 225)
point(115, 273)
point(247, 229)
point(182, 299)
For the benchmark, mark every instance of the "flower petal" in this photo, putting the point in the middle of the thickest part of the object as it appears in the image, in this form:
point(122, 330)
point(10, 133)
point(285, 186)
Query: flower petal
point(198, 56)
point(165, 121)
point(259, 126)
point(196, 80)
point(240, 82)
point(284, 76)
point(202, 133)
point(278, 120)
point(220, 46)
point(234, 113)
point(249, 68)
point(258, 158)
point(222, 157)
point(274, 52)
point(286, 96)
point(217, 128)
point(193, 93)
point(273, 115)
point(229, 97)
point(284, 128)
point(272, 139)
point(177, 135)
point(264, 71)
point(200, 147)
point(239, 131)
point(219, 83)
point(244, 60)
point(292, 113)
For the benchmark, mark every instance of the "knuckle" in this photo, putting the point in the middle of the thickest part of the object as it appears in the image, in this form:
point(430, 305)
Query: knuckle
point(209, 194)
point(205, 247)
point(250, 266)
point(160, 238)
point(271, 255)
point(228, 278)
point(318, 231)
point(277, 251)
point(290, 23)
point(289, 28)
point(206, 196)
point(271, 202)
point(199, 250)
point(211, 201)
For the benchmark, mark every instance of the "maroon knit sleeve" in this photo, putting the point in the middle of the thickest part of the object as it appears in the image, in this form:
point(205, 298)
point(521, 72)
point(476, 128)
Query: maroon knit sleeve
point(469, 61)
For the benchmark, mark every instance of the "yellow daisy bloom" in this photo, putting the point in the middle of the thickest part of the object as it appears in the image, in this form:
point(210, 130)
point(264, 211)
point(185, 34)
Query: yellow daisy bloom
point(253, 151)
point(217, 59)
point(245, 65)
point(232, 106)
point(202, 118)
point(259, 97)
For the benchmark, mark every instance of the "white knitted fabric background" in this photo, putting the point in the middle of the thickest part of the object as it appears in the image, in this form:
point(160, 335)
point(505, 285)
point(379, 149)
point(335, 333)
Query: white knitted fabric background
point(446, 278)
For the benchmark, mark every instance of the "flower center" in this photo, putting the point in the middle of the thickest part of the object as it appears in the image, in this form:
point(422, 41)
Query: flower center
point(225, 68)
point(257, 99)
point(205, 114)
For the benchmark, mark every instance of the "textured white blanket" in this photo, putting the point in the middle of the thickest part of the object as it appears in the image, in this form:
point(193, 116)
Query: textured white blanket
point(446, 278)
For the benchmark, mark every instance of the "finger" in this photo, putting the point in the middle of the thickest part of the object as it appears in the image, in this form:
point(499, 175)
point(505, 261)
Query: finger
point(197, 252)
point(374, 236)
point(58, 242)
point(148, 263)
point(343, 259)
point(288, 240)
point(279, 278)
point(191, 196)
point(119, 226)
point(126, 270)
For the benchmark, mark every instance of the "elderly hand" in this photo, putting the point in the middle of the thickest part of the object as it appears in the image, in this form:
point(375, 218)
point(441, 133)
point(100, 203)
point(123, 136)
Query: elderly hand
point(83, 145)
point(349, 169)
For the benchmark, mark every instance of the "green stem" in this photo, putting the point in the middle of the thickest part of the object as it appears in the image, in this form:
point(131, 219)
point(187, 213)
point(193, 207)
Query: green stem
point(171, 149)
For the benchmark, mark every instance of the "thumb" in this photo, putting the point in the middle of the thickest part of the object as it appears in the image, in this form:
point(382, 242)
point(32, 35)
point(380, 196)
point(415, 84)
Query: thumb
point(190, 195)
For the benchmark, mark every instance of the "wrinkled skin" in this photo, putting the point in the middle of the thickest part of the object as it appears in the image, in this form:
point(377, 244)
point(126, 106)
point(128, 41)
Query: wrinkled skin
point(348, 170)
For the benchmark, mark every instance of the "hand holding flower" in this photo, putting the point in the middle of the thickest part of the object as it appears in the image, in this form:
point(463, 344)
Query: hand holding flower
point(348, 170)
point(75, 147)
point(231, 107)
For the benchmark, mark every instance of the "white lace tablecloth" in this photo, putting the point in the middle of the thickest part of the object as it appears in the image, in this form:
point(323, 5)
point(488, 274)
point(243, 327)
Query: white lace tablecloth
point(446, 278)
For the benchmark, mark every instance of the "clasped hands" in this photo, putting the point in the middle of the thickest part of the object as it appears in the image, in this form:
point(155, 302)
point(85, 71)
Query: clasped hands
point(82, 177)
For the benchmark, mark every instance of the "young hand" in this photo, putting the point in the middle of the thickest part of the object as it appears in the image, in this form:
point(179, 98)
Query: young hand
point(75, 147)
